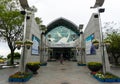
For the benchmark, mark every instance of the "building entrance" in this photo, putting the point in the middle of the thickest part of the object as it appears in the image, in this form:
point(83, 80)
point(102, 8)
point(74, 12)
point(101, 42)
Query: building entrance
point(62, 35)
point(65, 51)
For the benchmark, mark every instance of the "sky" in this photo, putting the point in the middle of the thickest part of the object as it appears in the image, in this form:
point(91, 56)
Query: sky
point(77, 11)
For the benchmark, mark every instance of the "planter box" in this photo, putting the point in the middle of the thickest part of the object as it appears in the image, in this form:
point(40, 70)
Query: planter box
point(118, 80)
point(99, 79)
point(19, 79)
point(43, 64)
point(110, 80)
point(107, 80)
point(81, 64)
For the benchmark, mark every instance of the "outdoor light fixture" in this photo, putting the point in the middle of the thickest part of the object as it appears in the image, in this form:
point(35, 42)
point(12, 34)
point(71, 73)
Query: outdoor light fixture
point(96, 16)
point(28, 17)
point(23, 12)
point(80, 28)
point(101, 10)
point(98, 4)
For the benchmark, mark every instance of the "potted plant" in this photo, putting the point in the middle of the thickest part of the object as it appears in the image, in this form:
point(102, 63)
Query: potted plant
point(19, 43)
point(107, 42)
point(28, 43)
point(95, 42)
point(20, 77)
point(33, 66)
point(94, 66)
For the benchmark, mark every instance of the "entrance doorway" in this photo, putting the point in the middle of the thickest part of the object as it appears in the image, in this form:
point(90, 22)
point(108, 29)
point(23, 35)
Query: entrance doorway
point(58, 51)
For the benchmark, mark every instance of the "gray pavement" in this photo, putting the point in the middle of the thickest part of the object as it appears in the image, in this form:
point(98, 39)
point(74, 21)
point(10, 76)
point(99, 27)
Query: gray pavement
point(55, 73)
point(5, 72)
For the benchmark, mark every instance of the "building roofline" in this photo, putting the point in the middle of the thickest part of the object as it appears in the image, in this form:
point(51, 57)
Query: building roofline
point(63, 22)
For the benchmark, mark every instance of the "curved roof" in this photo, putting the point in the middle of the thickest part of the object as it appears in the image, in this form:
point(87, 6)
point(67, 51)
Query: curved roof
point(62, 22)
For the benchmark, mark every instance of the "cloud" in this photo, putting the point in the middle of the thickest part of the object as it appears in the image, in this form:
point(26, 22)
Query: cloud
point(78, 11)
point(49, 10)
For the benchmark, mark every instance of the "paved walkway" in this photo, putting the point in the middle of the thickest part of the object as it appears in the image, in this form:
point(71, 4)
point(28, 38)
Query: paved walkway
point(4, 74)
point(55, 73)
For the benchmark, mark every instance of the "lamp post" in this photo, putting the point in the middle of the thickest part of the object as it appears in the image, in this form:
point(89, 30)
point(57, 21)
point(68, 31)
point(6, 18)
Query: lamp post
point(26, 7)
point(101, 10)
point(25, 43)
point(49, 49)
point(97, 5)
point(43, 29)
point(27, 10)
point(81, 42)
point(24, 4)
point(23, 50)
point(41, 48)
point(74, 49)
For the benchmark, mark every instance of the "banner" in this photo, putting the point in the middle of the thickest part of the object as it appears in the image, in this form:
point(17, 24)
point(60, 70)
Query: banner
point(35, 46)
point(90, 49)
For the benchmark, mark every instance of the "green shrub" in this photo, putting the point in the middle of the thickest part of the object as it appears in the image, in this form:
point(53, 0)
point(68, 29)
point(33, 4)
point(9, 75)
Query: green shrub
point(16, 55)
point(33, 63)
point(94, 66)
point(95, 41)
point(33, 66)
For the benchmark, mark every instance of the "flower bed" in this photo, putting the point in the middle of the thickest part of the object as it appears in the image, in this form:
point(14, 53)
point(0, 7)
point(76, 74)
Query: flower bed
point(108, 77)
point(20, 77)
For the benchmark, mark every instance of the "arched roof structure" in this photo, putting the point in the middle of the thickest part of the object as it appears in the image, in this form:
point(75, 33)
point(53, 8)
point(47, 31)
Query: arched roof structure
point(62, 22)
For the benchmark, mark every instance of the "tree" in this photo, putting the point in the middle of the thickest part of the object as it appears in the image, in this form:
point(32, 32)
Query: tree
point(11, 24)
point(112, 34)
point(114, 48)
point(1, 57)
point(39, 22)
point(16, 55)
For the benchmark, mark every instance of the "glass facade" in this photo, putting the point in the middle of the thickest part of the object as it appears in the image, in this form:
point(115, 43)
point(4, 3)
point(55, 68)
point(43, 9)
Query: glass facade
point(61, 34)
